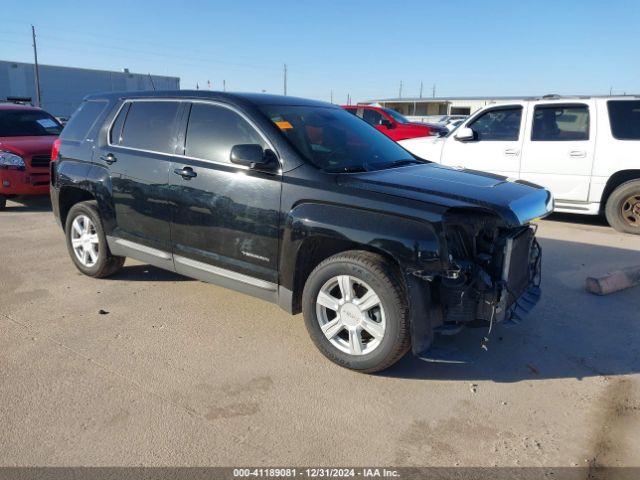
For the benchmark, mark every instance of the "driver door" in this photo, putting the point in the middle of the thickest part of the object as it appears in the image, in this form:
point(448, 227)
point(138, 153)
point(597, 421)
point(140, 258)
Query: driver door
point(497, 143)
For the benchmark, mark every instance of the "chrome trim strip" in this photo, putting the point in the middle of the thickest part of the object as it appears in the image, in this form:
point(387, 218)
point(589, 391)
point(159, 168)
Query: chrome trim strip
point(143, 248)
point(239, 277)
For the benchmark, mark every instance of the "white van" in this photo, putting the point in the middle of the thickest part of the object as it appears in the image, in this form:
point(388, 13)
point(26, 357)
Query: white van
point(586, 150)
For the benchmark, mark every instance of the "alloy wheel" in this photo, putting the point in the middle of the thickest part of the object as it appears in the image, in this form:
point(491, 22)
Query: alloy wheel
point(85, 241)
point(350, 315)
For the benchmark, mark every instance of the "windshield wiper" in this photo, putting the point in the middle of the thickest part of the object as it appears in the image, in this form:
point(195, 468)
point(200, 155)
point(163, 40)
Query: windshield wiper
point(348, 169)
point(402, 163)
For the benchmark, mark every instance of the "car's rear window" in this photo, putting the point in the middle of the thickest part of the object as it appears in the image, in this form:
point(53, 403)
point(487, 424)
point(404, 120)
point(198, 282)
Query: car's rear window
point(83, 119)
point(624, 117)
point(27, 123)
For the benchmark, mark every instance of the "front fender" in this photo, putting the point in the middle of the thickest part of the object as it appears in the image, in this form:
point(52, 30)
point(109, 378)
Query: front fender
point(413, 244)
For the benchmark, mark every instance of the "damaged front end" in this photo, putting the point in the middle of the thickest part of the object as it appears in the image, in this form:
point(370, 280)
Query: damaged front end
point(494, 275)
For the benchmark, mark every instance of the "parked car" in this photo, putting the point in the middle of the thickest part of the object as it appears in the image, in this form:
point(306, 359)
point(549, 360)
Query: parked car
point(586, 150)
point(393, 124)
point(302, 204)
point(26, 137)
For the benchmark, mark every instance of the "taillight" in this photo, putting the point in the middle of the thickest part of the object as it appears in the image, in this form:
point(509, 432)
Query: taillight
point(55, 150)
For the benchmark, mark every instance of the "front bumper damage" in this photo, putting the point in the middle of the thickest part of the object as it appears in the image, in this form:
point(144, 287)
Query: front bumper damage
point(495, 278)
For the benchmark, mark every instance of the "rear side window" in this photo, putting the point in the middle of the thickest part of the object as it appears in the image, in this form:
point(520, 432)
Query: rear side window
point(150, 126)
point(624, 117)
point(214, 130)
point(372, 117)
point(498, 124)
point(83, 119)
point(557, 123)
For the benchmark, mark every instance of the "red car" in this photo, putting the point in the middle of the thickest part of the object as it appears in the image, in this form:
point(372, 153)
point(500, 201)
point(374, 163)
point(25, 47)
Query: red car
point(26, 138)
point(393, 124)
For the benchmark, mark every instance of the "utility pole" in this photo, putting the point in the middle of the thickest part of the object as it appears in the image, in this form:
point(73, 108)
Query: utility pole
point(224, 85)
point(400, 90)
point(35, 65)
point(285, 78)
point(420, 89)
point(331, 96)
point(433, 92)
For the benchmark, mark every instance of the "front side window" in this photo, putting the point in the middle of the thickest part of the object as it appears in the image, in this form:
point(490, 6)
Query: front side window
point(557, 123)
point(28, 123)
point(213, 131)
point(624, 117)
point(150, 126)
point(336, 141)
point(498, 124)
point(372, 117)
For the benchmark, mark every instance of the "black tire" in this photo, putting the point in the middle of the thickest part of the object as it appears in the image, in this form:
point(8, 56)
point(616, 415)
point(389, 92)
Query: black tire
point(3, 202)
point(629, 222)
point(381, 276)
point(106, 263)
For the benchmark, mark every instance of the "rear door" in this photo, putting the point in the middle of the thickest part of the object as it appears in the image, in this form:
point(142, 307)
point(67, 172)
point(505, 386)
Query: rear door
point(559, 148)
point(497, 143)
point(225, 218)
point(138, 155)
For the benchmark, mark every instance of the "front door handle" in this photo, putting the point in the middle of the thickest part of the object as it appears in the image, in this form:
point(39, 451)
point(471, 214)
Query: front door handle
point(109, 158)
point(511, 152)
point(185, 172)
point(577, 153)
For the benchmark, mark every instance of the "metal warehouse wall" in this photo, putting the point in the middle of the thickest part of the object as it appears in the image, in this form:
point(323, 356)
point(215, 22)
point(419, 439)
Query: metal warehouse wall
point(62, 88)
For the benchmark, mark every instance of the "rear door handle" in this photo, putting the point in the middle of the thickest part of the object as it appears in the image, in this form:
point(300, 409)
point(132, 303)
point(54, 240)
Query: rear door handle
point(512, 152)
point(185, 172)
point(577, 153)
point(109, 158)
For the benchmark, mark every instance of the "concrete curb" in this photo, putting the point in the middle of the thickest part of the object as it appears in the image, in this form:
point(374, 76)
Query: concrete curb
point(614, 282)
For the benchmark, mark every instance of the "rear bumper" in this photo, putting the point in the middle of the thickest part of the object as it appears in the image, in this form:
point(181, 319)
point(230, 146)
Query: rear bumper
point(24, 182)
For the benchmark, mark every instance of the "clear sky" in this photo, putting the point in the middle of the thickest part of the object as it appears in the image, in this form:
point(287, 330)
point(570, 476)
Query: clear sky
point(361, 48)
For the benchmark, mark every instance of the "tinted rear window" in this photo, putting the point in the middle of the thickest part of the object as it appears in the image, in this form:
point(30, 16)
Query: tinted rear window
point(557, 123)
point(82, 120)
point(624, 117)
point(27, 123)
point(151, 126)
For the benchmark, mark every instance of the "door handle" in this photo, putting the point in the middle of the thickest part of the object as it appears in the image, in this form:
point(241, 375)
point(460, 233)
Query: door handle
point(109, 158)
point(512, 152)
point(577, 153)
point(185, 172)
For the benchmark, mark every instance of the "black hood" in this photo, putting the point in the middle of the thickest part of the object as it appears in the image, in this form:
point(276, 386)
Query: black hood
point(517, 202)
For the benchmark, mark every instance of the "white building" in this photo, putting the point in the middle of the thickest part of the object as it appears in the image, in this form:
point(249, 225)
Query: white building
point(430, 109)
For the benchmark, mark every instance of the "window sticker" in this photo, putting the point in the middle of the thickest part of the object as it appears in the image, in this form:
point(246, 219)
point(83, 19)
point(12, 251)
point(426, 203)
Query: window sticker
point(47, 123)
point(284, 125)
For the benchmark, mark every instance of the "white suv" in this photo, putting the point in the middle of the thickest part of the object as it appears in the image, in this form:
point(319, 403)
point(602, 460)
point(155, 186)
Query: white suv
point(586, 150)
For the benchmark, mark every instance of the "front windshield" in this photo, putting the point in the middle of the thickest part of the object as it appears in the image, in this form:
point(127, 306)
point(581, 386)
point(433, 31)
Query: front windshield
point(396, 116)
point(27, 123)
point(335, 140)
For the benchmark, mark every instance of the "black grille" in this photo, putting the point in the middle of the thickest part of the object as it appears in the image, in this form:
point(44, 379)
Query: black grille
point(40, 161)
point(519, 268)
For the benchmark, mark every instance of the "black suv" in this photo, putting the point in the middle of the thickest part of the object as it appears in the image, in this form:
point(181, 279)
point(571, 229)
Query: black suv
point(303, 204)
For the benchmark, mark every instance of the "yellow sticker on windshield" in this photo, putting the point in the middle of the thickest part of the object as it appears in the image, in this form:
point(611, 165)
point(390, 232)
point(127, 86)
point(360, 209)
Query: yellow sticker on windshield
point(284, 125)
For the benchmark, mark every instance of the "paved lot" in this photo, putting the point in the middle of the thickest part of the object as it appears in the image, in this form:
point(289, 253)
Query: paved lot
point(183, 373)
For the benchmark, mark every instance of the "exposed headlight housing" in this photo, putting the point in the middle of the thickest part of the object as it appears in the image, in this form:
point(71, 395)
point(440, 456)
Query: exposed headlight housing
point(8, 159)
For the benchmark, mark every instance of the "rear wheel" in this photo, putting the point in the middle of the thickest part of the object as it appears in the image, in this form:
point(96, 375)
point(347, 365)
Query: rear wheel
point(356, 312)
point(623, 208)
point(87, 243)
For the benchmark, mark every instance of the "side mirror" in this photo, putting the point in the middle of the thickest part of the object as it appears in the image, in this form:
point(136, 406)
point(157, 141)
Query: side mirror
point(464, 134)
point(388, 124)
point(254, 157)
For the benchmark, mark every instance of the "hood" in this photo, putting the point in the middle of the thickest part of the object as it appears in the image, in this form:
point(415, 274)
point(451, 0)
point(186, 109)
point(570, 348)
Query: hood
point(25, 146)
point(515, 202)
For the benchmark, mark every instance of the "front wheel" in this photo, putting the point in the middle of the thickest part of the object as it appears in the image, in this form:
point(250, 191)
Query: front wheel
point(355, 310)
point(87, 243)
point(623, 208)
point(3, 202)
